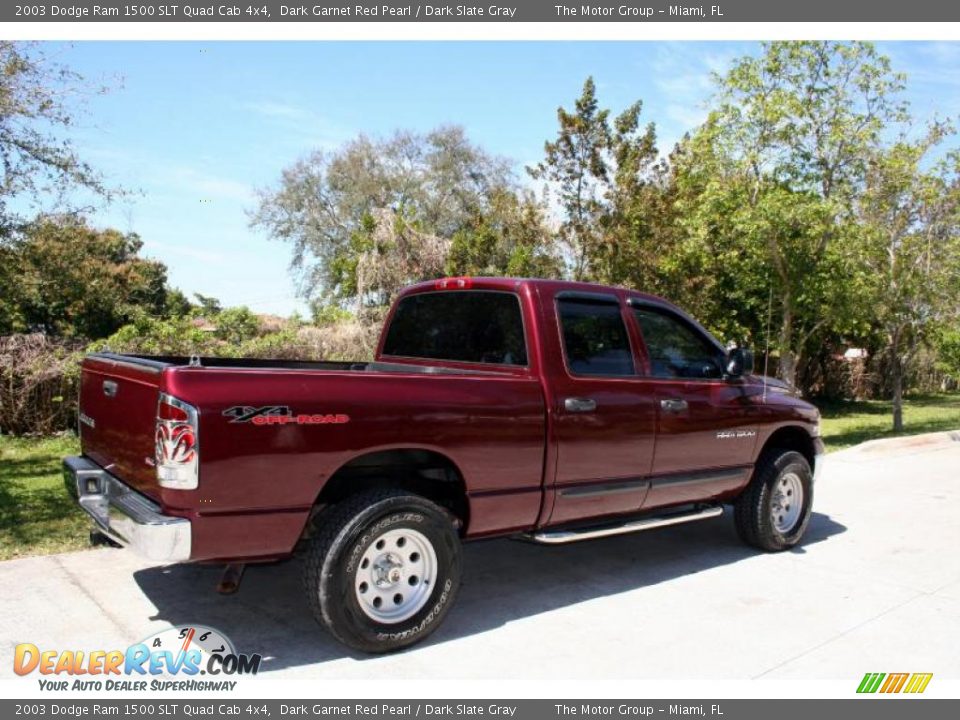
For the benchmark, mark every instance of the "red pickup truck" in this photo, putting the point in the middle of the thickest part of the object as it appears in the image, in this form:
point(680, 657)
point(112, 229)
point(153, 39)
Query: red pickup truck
point(552, 411)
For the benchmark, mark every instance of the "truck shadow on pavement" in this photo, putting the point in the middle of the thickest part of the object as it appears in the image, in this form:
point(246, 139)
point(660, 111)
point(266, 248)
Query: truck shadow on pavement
point(503, 580)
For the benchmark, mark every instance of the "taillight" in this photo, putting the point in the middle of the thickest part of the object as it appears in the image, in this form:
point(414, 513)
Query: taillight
point(177, 444)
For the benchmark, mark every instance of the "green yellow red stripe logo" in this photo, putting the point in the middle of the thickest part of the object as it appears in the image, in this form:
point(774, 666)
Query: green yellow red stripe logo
point(913, 683)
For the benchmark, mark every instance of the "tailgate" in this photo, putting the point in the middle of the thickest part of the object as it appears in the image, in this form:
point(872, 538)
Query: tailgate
point(118, 411)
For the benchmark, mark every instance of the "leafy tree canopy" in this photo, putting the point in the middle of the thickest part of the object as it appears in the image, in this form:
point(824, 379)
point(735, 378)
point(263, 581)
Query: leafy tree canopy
point(40, 165)
point(774, 174)
point(602, 172)
point(65, 278)
point(381, 200)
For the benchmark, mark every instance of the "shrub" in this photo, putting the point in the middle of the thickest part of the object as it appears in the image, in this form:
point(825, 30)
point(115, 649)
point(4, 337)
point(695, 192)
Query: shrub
point(39, 376)
point(237, 324)
point(39, 384)
point(156, 336)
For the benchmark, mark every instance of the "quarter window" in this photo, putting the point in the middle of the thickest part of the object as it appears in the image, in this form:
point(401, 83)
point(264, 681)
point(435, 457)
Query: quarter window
point(594, 338)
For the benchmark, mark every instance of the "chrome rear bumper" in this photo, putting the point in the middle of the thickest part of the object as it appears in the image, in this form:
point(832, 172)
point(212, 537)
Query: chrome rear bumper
point(124, 515)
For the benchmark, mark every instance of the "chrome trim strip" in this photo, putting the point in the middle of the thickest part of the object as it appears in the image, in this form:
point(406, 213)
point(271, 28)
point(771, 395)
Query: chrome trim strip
point(149, 366)
point(561, 537)
point(124, 515)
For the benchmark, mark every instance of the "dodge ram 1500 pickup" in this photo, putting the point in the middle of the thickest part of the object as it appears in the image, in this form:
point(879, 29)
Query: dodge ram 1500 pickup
point(552, 411)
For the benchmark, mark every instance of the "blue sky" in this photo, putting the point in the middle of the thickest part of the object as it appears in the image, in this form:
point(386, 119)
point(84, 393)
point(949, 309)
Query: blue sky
point(197, 127)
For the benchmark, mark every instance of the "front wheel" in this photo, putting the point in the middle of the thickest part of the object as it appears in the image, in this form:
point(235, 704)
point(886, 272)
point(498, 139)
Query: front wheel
point(383, 569)
point(774, 510)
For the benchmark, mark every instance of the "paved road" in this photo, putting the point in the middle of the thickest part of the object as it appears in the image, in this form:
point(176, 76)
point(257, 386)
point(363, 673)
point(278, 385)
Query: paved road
point(875, 585)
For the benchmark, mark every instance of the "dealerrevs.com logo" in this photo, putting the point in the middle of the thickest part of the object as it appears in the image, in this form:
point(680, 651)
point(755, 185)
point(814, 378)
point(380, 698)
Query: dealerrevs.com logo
point(186, 657)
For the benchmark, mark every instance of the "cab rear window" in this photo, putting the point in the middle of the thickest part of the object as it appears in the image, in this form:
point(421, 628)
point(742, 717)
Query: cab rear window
point(475, 326)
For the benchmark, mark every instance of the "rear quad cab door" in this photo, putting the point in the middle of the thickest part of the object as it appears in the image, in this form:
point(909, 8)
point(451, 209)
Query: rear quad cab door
point(604, 418)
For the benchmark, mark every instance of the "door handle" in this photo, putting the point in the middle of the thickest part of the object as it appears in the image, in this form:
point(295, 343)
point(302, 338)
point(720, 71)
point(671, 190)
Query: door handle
point(109, 388)
point(673, 405)
point(576, 404)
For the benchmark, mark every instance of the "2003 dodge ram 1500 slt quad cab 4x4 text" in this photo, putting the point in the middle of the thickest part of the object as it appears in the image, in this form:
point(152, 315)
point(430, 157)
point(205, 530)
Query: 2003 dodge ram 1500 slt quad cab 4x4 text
point(553, 411)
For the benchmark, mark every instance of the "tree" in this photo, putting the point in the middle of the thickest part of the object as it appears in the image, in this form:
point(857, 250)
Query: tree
point(576, 165)
point(511, 238)
point(393, 252)
point(39, 164)
point(947, 343)
point(719, 278)
point(177, 304)
point(237, 324)
point(65, 278)
point(777, 167)
point(601, 173)
point(910, 214)
point(641, 231)
point(208, 306)
point(637, 221)
point(411, 186)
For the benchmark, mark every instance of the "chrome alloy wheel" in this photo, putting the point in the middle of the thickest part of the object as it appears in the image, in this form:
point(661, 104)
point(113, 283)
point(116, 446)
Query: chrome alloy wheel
point(396, 575)
point(787, 503)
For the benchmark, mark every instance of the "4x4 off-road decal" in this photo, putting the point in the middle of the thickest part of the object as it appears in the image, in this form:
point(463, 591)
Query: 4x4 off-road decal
point(280, 415)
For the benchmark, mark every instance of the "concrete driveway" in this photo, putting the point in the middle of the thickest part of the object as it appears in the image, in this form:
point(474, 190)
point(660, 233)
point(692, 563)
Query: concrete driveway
point(875, 585)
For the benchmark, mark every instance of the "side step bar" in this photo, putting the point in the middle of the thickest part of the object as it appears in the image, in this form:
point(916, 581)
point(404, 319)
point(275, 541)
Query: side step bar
point(561, 537)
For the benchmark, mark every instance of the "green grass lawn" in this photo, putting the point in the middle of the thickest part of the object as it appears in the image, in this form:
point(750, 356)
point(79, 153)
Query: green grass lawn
point(850, 423)
point(37, 516)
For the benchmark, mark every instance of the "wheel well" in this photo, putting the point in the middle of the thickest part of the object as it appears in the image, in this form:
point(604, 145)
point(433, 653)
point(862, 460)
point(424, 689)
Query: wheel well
point(794, 438)
point(422, 472)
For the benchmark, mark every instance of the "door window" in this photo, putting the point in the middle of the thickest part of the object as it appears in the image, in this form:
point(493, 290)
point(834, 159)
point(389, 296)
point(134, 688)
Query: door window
point(594, 338)
point(675, 349)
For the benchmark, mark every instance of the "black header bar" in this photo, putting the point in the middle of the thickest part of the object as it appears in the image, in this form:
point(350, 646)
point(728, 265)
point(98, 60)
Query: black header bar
point(224, 707)
point(612, 11)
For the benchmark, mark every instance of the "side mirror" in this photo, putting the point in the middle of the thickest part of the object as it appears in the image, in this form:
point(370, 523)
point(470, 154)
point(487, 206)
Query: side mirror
point(739, 362)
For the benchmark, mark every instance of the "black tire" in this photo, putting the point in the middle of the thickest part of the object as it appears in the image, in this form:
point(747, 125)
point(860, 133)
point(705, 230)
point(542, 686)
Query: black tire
point(343, 533)
point(753, 514)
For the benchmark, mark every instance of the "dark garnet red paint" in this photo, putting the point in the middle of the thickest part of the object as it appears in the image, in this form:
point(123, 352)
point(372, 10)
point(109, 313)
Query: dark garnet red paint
point(525, 461)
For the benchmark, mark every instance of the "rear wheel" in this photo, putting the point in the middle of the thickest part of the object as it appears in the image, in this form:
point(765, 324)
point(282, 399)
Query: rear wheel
point(774, 510)
point(383, 569)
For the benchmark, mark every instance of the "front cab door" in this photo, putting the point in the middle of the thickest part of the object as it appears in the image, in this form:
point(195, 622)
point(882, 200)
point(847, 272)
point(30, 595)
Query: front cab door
point(706, 425)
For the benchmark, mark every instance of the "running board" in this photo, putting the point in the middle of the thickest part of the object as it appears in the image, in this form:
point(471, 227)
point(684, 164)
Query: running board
point(561, 537)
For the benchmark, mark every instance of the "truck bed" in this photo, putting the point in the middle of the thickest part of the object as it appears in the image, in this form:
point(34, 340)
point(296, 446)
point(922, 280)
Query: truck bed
point(270, 474)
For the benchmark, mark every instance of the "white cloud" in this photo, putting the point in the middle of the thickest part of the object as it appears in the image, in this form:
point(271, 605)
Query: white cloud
point(274, 109)
point(942, 53)
point(297, 126)
point(683, 74)
point(206, 186)
point(187, 251)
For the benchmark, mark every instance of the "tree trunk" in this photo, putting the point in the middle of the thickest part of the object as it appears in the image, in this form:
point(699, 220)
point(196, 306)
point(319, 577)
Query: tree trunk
point(896, 380)
point(788, 357)
point(788, 366)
